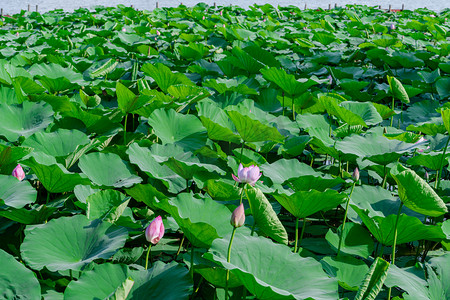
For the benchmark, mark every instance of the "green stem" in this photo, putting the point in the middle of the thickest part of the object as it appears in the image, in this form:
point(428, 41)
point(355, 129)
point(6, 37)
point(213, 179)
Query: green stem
point(395, 242)
point(345, 219)
point(191, 270)
point(228, 260)
point(125, 130)
point(179, 247)
point(301, 234)
point(146, 258)
point(242, 151)
point(296, 235)
point(293, 110)
point(392, 118)
point(70, 273)
point(48, 197)
point(383, 184)
point(436, 180)
point(242, 193)
point(442, 162)
point(283, 103)
point(253, 227)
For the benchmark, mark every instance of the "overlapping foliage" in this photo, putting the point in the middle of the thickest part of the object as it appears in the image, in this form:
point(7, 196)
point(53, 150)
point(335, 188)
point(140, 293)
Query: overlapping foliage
point(119, 115)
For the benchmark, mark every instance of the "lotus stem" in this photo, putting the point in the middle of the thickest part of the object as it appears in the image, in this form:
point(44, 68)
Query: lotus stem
point(296, 235)
point(383, 184)
point(242, 151)
point(441, 165)
point(345, 218)
point(392, 117)
point(228, 260)
point(191, 270)
point(179, 247)
point(301, 234)
point(242, 193)
point(146, 258)
point(125, 130)
point(395, 242)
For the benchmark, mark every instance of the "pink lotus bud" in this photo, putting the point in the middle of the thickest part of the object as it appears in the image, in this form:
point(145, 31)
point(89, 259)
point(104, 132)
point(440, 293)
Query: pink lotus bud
point(330, 79)
point(18, 172)
point(17, 34)
point(155, 231)
point(123, 30)
point(427, 176)
point(247, 175)
point(238, 216)
point(223, 25)
point(203, 17)
point(355, 174)
point(221, 13)
point(158, 33)
point(392, 27)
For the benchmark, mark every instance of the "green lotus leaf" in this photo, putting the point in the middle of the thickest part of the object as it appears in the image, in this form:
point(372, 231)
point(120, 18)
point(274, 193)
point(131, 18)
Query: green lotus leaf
point(16, 281)
point(275, 280)
point(373, 282)
point(355, 240)
point(24, 119)
point(409, 229)
point(10, 155)
point(174, 128)
point(252, 130)
point(408, 279)
point(16, 193)
point(164, 77)
point(144, 158)
point(416, 193)
point(58, 143)
point(305, 203)
point(349, 271)
point(201, 219)
point(397, 89)
point(430, 160)
point(128, 101)
point(108, 169)
point(107, 205)
point(53, 176)
point(265, 217)
point(376, 148)
point(83, 241)
point(169, 281)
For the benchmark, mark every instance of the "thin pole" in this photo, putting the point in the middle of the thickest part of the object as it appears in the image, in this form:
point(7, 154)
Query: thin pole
point(157, 4)
point(36, 7)
point(29, 7)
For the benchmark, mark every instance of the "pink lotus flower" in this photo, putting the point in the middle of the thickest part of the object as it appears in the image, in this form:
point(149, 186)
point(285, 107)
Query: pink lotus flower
point(123, 30)
point(155, 231)
point(392, 27)
point(247, 175)
point(18, 172)
point(421, 140)
point(158, 33)
point(238, 216)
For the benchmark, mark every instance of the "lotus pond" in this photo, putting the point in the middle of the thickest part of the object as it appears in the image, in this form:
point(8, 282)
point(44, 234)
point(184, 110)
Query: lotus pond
point(129, 139)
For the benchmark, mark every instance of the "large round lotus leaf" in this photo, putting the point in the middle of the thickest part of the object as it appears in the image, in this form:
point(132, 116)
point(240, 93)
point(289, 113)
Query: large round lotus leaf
point(16, 193)
point(16, 281)
point(70, 243)
point(348, 270)
point(144, 158)
point(409, 229)
point(59, 143)
point(272, 271)
point(53, 176)
point(24, 119)
point(174, 128)
point(98, 283)
point(202, 220)
point(416, 193)
point(162, 281)
point(305, 203)
point(108, 169)
point(253, 130)
point(356, 240)
point(376, 148)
